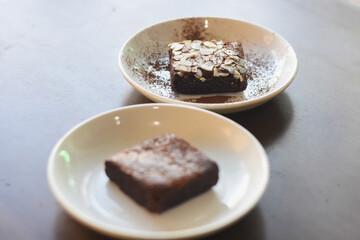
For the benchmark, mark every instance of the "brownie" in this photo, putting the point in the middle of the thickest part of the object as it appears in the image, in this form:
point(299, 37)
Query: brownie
point(162, 172)
point(204, 67)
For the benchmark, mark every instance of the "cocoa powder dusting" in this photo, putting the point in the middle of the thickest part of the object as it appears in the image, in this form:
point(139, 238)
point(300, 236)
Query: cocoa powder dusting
point(152, 69)
point(194, 29)
point(261, 69)
point(155, 77)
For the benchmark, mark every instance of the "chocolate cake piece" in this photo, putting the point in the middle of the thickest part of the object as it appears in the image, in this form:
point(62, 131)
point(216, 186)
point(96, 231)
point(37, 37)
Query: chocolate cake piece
point(162, 172)
point(203, 67)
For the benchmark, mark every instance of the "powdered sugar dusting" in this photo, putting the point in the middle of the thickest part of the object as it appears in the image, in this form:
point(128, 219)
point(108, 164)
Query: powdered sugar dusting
point(262, 71)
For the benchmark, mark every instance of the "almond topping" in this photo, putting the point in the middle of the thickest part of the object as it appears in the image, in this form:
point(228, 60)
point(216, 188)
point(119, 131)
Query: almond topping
point(207, 66)
point(187, 63)
point(216, 72)
point(193, 55)
point(206, 58)
point(228, 61)
point(242, 62)
point(241, 69)
point(196, 45)
point(182, 68)
point(217, 61)
point(176, 46)
point(206, 51)
point(194, 69)
point(198, 74)
point(183, 59)
point(198, 59)
point(230, 52)
point(230, 69)
point(209, 44)
point(222, 74)
point(237, 74)
point(235, 58)
point(188, 45)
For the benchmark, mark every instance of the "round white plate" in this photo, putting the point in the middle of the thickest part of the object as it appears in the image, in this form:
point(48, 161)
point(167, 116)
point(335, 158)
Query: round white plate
point(77, 178)
point(270, 60)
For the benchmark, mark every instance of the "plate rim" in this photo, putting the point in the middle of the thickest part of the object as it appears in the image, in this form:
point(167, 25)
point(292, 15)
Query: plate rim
point(217, 107)
point(99, 226)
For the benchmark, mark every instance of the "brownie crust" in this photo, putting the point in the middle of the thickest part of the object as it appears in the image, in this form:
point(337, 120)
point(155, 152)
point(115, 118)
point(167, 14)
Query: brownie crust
point(162, 172)
point(204, 67)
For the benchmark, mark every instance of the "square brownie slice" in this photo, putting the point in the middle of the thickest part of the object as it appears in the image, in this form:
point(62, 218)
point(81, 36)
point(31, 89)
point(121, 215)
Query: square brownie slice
point(204, 67)
point(162, 172)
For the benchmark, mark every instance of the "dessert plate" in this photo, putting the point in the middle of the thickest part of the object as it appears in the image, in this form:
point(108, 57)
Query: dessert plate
point(77, 178)
point(270, 61)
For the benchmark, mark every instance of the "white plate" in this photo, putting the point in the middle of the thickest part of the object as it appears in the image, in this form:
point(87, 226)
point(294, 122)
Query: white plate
point(77, 179)
point(270, 59)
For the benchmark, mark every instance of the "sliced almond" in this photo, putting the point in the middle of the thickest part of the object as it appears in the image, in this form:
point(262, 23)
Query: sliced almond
point(198, 74)
point(222, 53)
point(206, 58)
point(185, 50)
point(202, 79)
point(183, 59)
point(217, 61)
point(237, 74)
point(194, 69)
point(193, 55)
point(175, 64)
point(241, 78)
point(241, 69)
point(187, 63)
point(242, 62)
point(182, 68)
point(196, 45)
point(209, 44)
point(235, 58)
point(207, 66)
point(206, 51)
point(222, 74)
point(177, 57)
point(177, 46)
point(230, 52)
point(216, 72)
point(228, 61)
point(230, 69)
point(188, 45)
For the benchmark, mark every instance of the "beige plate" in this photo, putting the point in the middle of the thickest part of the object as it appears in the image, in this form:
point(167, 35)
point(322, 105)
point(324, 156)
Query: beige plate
point(270, 59)
point(77, 178)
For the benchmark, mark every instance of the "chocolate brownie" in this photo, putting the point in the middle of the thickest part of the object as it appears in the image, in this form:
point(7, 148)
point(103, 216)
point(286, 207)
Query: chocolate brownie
point(202, 67)
point(162, 172)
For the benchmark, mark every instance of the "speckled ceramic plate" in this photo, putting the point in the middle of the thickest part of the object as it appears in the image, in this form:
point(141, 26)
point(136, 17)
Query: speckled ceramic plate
point(270, 60)
point(76, 172)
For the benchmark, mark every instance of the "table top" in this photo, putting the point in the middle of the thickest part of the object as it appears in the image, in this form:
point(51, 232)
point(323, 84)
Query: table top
point(58, 67)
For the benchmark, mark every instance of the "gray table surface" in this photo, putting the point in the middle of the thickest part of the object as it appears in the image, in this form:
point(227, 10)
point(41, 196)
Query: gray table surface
point(58, 67)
